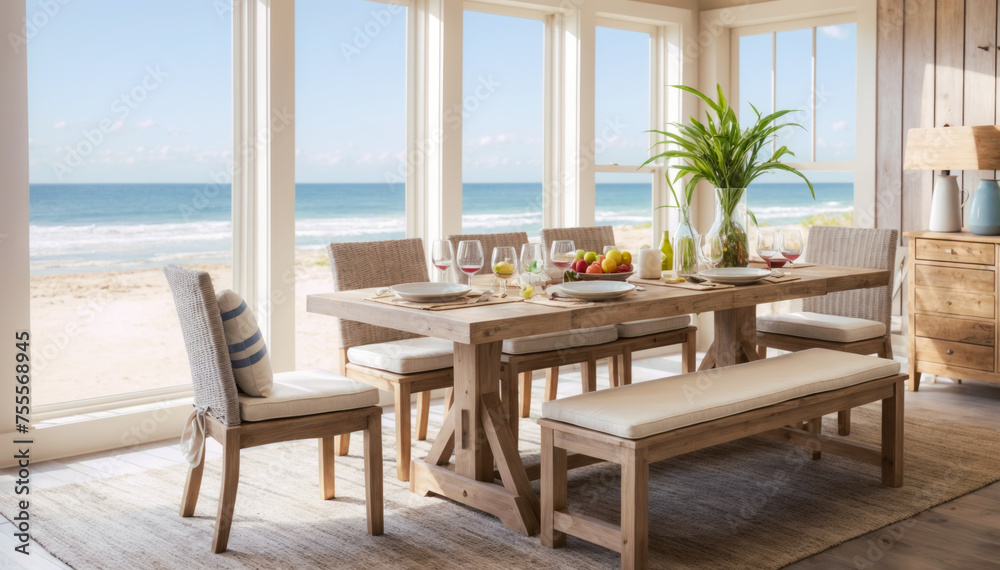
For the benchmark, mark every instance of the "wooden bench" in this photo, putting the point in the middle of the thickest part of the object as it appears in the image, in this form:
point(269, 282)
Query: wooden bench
point(636, 425)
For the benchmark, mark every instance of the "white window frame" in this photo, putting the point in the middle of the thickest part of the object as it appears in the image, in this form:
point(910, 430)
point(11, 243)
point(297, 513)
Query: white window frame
point(728, 24)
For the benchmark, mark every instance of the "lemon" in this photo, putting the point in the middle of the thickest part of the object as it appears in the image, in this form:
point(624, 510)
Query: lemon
point(626, 258)
point(527, 292)
point(609, 265)
point(615, 256)
point(503, 269)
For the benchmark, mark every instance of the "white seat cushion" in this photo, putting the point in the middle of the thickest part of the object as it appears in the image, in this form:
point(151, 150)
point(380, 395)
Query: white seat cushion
point(633, 329)
point(307, 392)
point(407, 356)
point(560, 340)
point(821, 327)
point(657, 406)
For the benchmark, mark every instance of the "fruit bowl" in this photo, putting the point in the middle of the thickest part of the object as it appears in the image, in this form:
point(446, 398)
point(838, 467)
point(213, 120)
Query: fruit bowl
point(621, 276)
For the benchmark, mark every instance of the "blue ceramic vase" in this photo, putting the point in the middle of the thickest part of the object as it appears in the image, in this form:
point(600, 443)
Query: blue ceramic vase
point(984, 209)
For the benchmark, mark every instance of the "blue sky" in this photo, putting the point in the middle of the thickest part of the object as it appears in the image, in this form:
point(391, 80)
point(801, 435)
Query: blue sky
point(127, 91)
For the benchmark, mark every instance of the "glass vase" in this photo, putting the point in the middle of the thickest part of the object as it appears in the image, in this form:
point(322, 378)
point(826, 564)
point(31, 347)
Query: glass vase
point(685, 246)
point(731, 226)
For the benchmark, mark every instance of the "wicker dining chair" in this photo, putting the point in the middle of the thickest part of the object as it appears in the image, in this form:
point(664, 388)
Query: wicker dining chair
point(301, 405)
point(389, 359)
point(520, 357)
point(634, 335)
point(857, 321)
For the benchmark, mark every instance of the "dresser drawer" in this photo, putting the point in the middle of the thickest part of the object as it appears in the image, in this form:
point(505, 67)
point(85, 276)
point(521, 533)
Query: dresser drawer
point(957, 251)
point(972, 280)
point(955, 329)
point(955, 353)
point(931, 300)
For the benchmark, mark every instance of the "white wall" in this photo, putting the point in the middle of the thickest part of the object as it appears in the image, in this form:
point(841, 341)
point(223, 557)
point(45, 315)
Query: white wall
point(14, 284)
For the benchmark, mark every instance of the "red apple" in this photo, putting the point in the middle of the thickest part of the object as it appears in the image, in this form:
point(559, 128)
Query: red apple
point(623, 268)
point(580, 266)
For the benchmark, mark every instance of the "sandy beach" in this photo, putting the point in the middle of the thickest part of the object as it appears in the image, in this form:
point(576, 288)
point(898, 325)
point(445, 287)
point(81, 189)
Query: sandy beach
point(103, 333)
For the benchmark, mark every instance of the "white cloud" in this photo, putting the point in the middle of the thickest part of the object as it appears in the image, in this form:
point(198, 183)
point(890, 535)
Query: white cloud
point(835, 32)
point(839, 125)
point(117, 125)
point(59, 125)
point(145, 124)
point(176, 131)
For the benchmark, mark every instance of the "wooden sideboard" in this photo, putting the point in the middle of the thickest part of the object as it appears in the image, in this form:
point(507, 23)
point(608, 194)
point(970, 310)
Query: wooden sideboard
point(953, 306)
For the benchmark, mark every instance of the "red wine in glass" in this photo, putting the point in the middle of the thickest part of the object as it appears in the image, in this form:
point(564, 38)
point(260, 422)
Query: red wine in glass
point(470, 269)
point(791, 256)
point(563, 265)
point(443, 267)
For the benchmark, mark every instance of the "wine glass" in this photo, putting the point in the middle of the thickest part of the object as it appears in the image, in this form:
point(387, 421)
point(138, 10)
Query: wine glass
point(442, 256)
point(766, 248)
point(470, 257)
point(790, 245)
point(562, 254)
point(504, 264)
point(711, 249)
point(531, 258)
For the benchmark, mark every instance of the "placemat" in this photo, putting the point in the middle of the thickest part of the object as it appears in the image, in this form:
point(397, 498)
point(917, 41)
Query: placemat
point(784, 278)
point(680, 285)
point(459, 304)
point(561, 302)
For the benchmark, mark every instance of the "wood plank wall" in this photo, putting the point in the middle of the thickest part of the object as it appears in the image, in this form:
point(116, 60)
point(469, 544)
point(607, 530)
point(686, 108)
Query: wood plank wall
point(932, 72)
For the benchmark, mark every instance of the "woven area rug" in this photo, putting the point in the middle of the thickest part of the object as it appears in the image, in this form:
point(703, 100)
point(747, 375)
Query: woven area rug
point(748, 504)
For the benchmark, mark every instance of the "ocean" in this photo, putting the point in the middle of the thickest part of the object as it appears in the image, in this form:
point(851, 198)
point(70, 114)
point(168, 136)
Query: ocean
point(99, 227)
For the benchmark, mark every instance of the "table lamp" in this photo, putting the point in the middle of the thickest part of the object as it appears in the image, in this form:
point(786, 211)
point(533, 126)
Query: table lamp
point(958, 148)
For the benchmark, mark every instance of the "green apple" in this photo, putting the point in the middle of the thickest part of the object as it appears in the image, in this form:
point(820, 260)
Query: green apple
point(580, 253)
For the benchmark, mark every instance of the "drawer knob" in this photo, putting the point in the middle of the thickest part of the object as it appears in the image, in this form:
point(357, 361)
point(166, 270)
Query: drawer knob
point(949, 250)
point(949, 351)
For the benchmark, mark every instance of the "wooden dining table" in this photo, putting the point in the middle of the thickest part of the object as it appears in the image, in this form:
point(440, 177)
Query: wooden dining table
point(477, 429)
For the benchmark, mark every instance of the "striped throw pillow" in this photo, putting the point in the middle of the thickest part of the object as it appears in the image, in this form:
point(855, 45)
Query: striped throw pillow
point(247, 351)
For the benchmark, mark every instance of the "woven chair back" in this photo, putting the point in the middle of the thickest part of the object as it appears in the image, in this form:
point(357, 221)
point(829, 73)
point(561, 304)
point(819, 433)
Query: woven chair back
point(592, 238)
point(854, 247)
point(360, 265)
point(205, 340)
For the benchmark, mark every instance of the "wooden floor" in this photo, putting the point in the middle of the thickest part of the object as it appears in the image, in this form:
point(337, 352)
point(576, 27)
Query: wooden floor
point(961, 534)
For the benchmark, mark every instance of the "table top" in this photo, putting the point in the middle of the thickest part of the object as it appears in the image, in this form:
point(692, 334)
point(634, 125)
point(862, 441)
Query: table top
point(491, 323)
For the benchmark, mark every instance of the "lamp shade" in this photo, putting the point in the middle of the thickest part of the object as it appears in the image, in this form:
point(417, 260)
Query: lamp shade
point(953, 148)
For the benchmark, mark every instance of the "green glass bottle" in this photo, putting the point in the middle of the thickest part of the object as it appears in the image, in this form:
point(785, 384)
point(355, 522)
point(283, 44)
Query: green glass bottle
point(667, 259)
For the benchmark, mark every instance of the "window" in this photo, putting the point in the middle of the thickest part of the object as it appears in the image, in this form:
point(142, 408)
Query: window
point(502, 124)
point(623, 103)
point(811, 70)
point(350, 145)
point(130, 135)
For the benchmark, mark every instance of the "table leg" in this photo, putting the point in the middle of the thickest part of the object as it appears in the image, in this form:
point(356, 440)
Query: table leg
point(481, 431)
point(735, 338)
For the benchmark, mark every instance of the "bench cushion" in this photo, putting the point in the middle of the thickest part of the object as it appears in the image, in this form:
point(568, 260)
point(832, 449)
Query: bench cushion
point(821, 327)
point(307, 392)
point(560, 340)
point(407, 356)
point(645, 327)
point(657, 406)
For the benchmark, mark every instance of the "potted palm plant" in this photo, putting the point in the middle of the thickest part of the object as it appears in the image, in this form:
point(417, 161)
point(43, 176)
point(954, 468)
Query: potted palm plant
point(728, 157)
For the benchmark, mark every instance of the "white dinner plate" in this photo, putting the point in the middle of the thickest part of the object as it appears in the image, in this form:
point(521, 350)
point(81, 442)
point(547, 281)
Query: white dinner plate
point(430, 292)
point(595, 290)
point(735, 275)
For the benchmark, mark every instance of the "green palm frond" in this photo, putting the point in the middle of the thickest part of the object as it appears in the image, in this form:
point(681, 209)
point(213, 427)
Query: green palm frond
point(721, 152)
